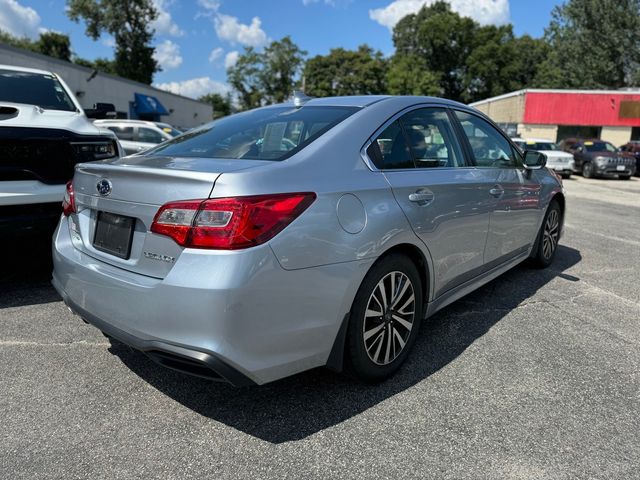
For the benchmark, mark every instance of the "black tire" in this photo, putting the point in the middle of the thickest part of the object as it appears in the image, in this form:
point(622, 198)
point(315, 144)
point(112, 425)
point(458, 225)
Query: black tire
point(566, 176)
point(587, 170)
point(624, 177)
point(541, 257)
point(360, 352)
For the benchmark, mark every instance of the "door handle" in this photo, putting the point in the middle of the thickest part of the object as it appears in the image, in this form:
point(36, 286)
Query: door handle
point(421, 197)
point(496, 191)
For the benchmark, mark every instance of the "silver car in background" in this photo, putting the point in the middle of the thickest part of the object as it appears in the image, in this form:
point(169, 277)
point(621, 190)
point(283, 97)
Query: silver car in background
point(136, 136)
point(313, 233)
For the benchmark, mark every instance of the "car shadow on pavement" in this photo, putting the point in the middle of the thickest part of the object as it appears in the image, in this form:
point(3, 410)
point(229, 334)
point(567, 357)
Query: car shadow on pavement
point(296, 407)
point(25, 275)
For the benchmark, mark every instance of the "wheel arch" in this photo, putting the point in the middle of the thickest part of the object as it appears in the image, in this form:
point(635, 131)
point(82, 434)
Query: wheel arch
point(336, 356)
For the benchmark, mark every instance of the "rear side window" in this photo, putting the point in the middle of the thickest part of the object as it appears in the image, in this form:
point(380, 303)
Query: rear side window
point(148, 135)
point(273, 133)
point(39, 89)
point(123, 133)
point(489, 147)
point(422, 138)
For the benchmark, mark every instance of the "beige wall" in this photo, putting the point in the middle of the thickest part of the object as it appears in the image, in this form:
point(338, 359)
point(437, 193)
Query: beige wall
point(616, 135)
point(547, 132)
point(504, 110)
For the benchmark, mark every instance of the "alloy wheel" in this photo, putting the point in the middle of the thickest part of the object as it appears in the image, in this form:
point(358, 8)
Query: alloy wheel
point(551, 233)
point(389, 318)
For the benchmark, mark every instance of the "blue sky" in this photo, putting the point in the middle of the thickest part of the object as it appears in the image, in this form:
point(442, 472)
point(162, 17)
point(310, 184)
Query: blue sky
point(195, 39)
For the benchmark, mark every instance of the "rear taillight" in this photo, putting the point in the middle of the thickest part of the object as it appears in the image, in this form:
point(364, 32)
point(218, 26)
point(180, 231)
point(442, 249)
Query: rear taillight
point(229, 223)
point(68, 201)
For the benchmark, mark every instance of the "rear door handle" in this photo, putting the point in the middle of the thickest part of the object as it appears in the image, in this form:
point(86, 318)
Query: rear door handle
point(421, 197)
point(496, 191)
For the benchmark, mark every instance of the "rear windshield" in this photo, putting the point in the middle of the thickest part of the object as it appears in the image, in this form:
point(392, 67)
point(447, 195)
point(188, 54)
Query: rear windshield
point(599, 147)
point(39, 89)
point(265, 134)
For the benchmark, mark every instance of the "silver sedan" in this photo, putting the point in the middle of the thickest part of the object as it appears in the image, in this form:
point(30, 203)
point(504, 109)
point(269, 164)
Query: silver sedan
point(313, 233)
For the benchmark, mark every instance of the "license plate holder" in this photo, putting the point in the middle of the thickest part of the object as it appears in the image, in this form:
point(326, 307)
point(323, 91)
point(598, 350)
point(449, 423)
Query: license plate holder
point(114, 234)
point(621, 168)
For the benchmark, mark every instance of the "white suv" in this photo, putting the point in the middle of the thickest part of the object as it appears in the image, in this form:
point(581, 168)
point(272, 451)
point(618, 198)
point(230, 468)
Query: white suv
point(560, 162)
point(44, 133)
point(139, 135)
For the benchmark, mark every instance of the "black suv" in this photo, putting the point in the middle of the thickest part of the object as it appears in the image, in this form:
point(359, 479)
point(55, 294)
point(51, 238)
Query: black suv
point(633, 148)
point(597, 158)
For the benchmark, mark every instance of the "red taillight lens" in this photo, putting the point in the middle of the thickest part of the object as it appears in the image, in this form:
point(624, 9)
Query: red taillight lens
point(68, 201)
point(229, 223)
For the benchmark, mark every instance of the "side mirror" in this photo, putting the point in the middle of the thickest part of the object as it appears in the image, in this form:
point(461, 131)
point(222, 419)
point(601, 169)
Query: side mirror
point(534, 160)
point(101, 111)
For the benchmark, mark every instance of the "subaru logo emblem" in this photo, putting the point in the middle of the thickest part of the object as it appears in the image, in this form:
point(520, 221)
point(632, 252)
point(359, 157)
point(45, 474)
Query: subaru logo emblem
point(104, 187)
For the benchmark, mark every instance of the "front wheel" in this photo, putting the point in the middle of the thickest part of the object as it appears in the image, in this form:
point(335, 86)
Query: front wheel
point(587, 170)
point(385, 318)
point(625, 177)
point(547, 241)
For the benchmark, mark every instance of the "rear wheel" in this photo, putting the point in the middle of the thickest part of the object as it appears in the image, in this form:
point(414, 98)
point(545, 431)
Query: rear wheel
point(587, 170)
point(566, 176)
point(547, 242)
point(385, 318)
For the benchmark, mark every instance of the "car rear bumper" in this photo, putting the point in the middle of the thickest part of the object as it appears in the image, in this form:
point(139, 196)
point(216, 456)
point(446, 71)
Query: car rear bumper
point(238, 314)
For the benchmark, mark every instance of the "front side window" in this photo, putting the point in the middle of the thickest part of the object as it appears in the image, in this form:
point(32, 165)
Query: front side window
point(42, 90)
point(273, 133)
point(489, 147)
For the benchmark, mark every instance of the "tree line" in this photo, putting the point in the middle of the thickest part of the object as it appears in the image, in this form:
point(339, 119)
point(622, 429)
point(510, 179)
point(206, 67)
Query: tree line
point(588, 44)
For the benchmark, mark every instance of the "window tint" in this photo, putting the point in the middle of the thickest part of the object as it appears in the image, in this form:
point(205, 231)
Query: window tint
point(123, 133)
point(42, 90)
point(150, 136)
point(431, 138)
point(599, 147)
point(392, 145)
point(272, 133)
point(490, 148)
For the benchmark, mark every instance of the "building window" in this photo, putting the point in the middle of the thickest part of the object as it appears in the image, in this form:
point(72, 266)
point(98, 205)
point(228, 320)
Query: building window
point(577, 131)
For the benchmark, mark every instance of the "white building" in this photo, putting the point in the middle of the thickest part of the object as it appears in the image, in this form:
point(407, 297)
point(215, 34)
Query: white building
point(131, 99)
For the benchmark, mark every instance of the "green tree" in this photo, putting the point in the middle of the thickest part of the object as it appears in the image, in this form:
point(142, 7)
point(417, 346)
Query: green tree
point(281, 64)
point(101, 64)
point(128, 22)
point(346, 72)
point(408, 75)
point(443, 40)
point(55, 45)
point(268, 77)
point(246, 79)
point(222, 105)
point(594, 44)
point(52, 44)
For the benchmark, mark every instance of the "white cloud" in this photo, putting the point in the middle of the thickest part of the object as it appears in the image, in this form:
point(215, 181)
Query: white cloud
point(231, 59)
point(195, 87)
point(19, 20)
point(215, 54)
point(164, 24)
point(230, 29)
point(167, 55)
point(483, 11)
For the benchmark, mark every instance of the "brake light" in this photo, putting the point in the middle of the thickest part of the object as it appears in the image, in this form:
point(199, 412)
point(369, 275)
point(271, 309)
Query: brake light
point(69, 200)
point(229, 223)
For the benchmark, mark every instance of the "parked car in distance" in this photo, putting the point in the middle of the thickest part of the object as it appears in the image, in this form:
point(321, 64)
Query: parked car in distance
point(44, 133)
point(633, 148)
point(313, 233)
point(139, 135)
point(560, 162)
point(598, 158)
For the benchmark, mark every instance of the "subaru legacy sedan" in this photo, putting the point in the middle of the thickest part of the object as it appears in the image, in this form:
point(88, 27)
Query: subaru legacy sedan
point(319, 232)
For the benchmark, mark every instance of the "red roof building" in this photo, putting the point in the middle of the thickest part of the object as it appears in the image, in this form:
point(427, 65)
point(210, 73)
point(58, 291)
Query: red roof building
point(612, 115)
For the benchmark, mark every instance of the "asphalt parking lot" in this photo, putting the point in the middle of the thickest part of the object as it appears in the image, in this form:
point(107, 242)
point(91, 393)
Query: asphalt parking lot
point(535, 375)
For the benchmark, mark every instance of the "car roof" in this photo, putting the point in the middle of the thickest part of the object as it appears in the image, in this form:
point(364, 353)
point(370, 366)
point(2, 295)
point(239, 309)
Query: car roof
point(125, 120)
point(24, 69)
point(366, 100)
point(528, 139)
